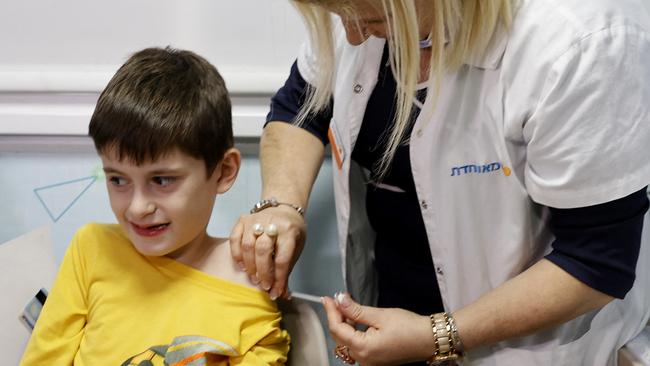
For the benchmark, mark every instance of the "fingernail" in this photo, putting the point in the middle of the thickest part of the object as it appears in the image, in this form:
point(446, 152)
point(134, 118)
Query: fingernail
point(255, 280)
point(342, 299)
point(241, 266)
point(322, 300)
point(266, 286)
point(273, 295)
point(337, 296)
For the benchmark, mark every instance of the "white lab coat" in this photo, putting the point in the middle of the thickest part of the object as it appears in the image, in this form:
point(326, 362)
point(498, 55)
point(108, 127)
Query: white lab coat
point(556, 114)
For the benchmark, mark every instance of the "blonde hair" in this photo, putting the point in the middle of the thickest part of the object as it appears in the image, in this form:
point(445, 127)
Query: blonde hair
point(461, 30)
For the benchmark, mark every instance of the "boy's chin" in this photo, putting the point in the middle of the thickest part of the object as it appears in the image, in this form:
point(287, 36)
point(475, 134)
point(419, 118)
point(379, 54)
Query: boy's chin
point(149, 251)
point(152, 249)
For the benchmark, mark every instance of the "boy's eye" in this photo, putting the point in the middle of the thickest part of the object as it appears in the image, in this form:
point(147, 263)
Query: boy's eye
point(164, 181)
point(117, 181)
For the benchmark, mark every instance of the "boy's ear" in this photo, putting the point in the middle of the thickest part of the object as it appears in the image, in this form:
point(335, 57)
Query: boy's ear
point(229, 168)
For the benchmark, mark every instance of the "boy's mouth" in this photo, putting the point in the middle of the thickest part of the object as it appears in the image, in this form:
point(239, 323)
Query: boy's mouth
point(150, 230)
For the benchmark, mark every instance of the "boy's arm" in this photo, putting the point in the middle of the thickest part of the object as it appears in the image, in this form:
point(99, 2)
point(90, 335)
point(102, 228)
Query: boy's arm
point(60, 326)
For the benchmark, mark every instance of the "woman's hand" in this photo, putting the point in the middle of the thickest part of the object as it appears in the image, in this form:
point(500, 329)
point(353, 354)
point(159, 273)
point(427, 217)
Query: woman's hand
point(269, 257)
point(393, 336)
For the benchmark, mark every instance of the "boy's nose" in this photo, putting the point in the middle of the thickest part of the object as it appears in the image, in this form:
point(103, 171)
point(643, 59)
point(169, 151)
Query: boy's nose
point(141, 205)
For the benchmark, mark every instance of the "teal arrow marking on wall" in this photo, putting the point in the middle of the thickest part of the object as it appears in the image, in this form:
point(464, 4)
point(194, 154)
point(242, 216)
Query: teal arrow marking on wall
point(58, 198)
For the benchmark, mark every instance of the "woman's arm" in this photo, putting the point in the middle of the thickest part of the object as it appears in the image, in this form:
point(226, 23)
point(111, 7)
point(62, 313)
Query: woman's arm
point(290, 158)
point(595, 250)
point(542, 296)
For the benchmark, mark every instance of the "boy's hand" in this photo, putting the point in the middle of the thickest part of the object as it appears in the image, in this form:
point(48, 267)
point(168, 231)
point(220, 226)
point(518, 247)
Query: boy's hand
point(269, 257)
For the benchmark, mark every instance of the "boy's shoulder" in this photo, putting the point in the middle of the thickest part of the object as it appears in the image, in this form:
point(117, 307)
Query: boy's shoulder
point(101, 231)
point(99, 237)
point(221, 264)
point(97, 228)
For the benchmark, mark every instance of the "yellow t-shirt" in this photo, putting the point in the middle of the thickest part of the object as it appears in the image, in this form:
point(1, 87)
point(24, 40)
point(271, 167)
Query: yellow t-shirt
point(110, 305)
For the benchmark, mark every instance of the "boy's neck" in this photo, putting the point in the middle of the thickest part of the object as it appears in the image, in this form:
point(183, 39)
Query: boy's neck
point(197, 253)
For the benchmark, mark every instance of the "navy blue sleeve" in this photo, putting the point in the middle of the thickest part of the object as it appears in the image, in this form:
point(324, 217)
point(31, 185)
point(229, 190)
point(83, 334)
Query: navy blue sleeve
point(286, 103)
point(599, 245)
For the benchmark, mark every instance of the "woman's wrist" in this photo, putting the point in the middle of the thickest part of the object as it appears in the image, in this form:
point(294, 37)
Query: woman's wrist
point(448, 349)
point(425, 342)
point(273, 202)
point(291, 194)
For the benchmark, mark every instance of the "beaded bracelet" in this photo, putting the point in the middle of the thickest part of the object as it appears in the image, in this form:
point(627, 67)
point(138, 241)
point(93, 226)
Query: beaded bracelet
point(272, 202)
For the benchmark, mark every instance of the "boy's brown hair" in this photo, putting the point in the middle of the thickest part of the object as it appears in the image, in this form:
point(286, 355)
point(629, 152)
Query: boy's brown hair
point(162, 99)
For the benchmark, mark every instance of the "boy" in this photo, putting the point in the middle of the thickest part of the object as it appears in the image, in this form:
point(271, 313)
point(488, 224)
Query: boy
point(156, 289)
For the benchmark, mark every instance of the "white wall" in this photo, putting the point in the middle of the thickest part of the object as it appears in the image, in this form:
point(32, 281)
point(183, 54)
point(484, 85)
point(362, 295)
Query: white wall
point(58, 55)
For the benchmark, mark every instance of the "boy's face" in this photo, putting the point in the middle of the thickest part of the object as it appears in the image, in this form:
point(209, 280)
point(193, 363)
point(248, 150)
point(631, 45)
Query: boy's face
point(164, 206)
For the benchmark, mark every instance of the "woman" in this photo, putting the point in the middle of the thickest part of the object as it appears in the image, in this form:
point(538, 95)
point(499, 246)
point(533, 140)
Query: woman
point(489, 177)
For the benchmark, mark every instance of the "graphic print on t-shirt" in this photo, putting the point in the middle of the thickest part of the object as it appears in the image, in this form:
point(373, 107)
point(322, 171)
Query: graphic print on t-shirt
point(185, 351)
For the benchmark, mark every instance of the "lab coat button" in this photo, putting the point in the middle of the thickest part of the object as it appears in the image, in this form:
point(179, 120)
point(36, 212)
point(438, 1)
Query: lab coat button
point(358, 88)
point(424, 204)
point(419, 133)
point(439, 271)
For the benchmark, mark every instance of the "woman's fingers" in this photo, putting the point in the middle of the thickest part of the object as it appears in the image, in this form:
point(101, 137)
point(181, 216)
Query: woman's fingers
point(356, 312)
point(242, 246)
point(340, 330)
point(338, 325)
point(287, 250)
point(264, 260)
point(284, 250)
point(266, 245)
point(235, 241)
point(249, 245)
point(393, 336)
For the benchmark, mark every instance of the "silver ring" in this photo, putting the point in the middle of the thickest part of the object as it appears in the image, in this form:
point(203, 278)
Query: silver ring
point(258, 229)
